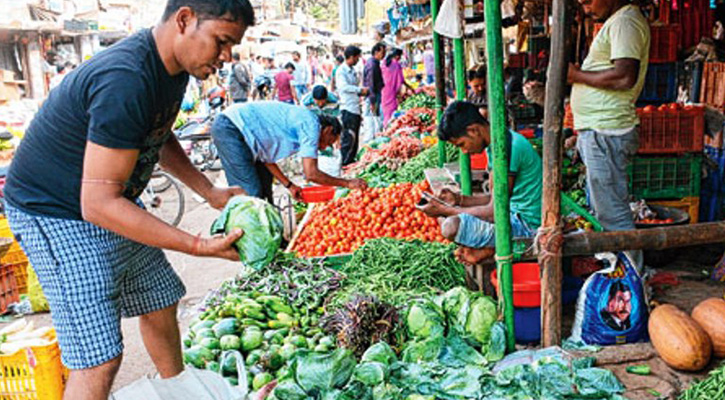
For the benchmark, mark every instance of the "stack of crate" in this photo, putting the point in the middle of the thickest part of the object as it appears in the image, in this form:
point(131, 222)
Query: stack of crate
point(668, 167)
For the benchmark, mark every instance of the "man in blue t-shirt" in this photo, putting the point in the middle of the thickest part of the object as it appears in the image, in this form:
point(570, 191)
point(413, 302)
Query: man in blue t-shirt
point(76, 177)
point(469, 219)
point(252, 138)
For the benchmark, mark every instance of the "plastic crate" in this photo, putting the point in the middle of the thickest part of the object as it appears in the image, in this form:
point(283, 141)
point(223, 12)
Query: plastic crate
point(712, 89)
point(660, 84)
point(690, 205)
point(519, 60)
point(15, 257)
point(696, 16)
point(664, 43)
point(665, 177)
point(672, 131)
point(34, 373)
point(9, 293)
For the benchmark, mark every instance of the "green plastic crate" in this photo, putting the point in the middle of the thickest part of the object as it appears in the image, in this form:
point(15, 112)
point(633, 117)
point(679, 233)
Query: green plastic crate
point(665, 177)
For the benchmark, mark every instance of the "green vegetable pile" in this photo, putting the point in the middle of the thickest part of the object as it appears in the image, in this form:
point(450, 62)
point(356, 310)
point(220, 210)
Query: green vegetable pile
point(711, 388)
point(396, 271)
point(265, 329)
point(262, 226)
point(377, 175)
point(549, 378)
point(414, 170)
point(419, 100)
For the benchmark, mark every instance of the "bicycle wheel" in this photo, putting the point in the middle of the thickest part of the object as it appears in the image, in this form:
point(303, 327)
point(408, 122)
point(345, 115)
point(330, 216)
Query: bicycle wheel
point(167, 206)
point(159, 182)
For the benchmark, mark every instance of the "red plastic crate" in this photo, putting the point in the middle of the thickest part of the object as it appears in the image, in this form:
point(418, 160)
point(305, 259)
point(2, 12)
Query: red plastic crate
point(695, 15)
point(9, 293)
point(664, 43)
point(712, 89)
point(672, 131)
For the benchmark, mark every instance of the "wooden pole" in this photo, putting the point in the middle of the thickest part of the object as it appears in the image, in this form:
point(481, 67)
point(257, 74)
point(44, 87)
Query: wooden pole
point(585, 244)
point(550, 261)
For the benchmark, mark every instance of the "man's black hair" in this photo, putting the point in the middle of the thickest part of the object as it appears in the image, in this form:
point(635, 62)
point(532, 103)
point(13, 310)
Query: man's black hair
point(352, 51)
point(319, 92)
point(289, 65)
point(236, 56)
point(235, 10)
point(477, 73)
point(458, 116)
point(378, 46)
point(617, 286)
point(326, 120)
point(296, 53)
point(340, 59)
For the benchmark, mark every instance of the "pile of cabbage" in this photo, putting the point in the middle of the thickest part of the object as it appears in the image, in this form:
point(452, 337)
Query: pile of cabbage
point(453, 341)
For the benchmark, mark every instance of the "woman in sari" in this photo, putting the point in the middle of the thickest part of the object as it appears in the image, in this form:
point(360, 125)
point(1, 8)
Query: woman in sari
point(394, 81)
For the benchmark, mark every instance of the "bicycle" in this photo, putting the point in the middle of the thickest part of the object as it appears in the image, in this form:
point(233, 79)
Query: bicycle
point(169, 206)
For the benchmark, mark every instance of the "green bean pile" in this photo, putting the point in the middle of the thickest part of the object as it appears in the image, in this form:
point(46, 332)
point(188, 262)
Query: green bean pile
point(414, 170)
point(397, 270)
point(712, 388)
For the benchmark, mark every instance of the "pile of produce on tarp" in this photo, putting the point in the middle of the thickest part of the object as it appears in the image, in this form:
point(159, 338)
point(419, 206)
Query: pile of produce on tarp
point(390, 154)
point(418, 100)
point(419, 121)
point(344, 224)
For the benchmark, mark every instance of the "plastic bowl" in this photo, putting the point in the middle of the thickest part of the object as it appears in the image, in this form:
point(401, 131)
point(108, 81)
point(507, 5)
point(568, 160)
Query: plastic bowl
point(318, 194)
point(479, 161)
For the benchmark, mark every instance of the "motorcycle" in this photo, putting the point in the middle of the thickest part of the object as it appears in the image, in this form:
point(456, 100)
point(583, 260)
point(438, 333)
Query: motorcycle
point(195, 135)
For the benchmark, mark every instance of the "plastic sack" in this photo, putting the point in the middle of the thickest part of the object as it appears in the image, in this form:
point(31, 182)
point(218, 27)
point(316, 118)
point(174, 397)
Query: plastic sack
point(448, 22)
point(612, 306)
point(38, 302)
point(192, 384)
point(262, 226)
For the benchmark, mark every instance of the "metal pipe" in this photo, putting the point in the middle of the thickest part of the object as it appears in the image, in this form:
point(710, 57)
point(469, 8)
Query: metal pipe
point(501, 157)
point(439, 54)
point(464, 160)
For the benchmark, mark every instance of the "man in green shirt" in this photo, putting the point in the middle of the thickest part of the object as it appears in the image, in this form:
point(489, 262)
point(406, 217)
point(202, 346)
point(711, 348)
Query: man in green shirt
point(320, 101)
point(603, 98)
point(469, 219)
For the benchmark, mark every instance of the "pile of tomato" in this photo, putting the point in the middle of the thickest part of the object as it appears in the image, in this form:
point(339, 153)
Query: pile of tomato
point(342, 225)
point(671, 107)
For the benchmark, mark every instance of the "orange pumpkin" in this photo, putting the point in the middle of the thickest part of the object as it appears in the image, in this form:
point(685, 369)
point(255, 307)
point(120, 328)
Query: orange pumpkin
point(679, 340)
point(710, 314)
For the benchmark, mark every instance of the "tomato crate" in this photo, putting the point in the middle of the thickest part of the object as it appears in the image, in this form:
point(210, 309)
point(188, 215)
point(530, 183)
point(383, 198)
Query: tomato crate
point(671, 130)
point(660, 84)
point(9, 292)
point(33, 373)
point(664, 43)
point(665, 177)
point(690, 205)
point(712, 88)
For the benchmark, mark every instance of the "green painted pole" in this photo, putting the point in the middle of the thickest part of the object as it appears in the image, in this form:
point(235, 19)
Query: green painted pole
point(464, 160)
point(440, 82)
point(501, 157)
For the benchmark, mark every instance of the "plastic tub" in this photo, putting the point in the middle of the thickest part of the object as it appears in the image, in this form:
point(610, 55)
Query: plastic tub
point(479, 161)
point(527, 286)
point(528, 325)
point(318, 194)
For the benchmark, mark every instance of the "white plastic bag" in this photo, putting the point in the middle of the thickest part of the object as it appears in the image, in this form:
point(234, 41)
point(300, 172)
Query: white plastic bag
point(192, 384)
point(448, 22)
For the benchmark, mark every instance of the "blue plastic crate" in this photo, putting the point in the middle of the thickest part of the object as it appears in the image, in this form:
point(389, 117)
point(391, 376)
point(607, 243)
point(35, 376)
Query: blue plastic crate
point(660, 84)
point(712, 192)
point(527, 324)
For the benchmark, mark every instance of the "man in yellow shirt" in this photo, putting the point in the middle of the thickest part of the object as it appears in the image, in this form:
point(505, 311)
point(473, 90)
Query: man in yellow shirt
point(603, 97)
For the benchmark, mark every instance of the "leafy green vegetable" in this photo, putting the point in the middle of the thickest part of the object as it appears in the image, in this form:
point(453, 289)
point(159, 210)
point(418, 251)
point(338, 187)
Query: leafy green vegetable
point(262, 226)
point(370, 373)
point(425, 320)
point(481, 317)
point(497, 345)
point(423, 350)
point(456, 353)
point(380, 352)
point(289, 390)
point(316, 373)
point(597, 382)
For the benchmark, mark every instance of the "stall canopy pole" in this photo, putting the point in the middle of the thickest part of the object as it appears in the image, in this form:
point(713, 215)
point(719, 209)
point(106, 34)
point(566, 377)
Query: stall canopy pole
point(550, 238)
point(501, 156)
point(439, 56)
point(464, 159)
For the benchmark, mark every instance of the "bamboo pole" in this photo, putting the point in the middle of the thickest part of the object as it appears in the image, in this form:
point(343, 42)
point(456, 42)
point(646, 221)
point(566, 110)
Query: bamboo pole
point(550, 262)
point(439, 54)
point(501, 156)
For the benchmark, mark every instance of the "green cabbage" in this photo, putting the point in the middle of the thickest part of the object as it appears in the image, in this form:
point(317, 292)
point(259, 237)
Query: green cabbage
point(425, 320)
point(370, 373)
point(380, 352)
point(481, 317)
point(262, 226)
point(319, 373)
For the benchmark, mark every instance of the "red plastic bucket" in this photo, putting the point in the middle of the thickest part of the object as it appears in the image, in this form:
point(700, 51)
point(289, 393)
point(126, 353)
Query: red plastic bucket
point(527, 284)
point(318, 194)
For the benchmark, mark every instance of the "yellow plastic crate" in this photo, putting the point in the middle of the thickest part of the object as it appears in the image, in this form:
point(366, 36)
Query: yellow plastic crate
point(15, 257)
point(34, 373)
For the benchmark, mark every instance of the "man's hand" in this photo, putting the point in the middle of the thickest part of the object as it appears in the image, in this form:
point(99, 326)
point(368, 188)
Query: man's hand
point(218, 197)
point(357, 184)
point(364, 91)
point(570, 142)
point(433, 209)
point(450, 196)
point(220, 246)
point(296, 192)
point(574, 69)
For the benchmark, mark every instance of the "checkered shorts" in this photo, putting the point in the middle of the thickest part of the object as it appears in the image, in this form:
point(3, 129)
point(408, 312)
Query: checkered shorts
point(92, 277)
